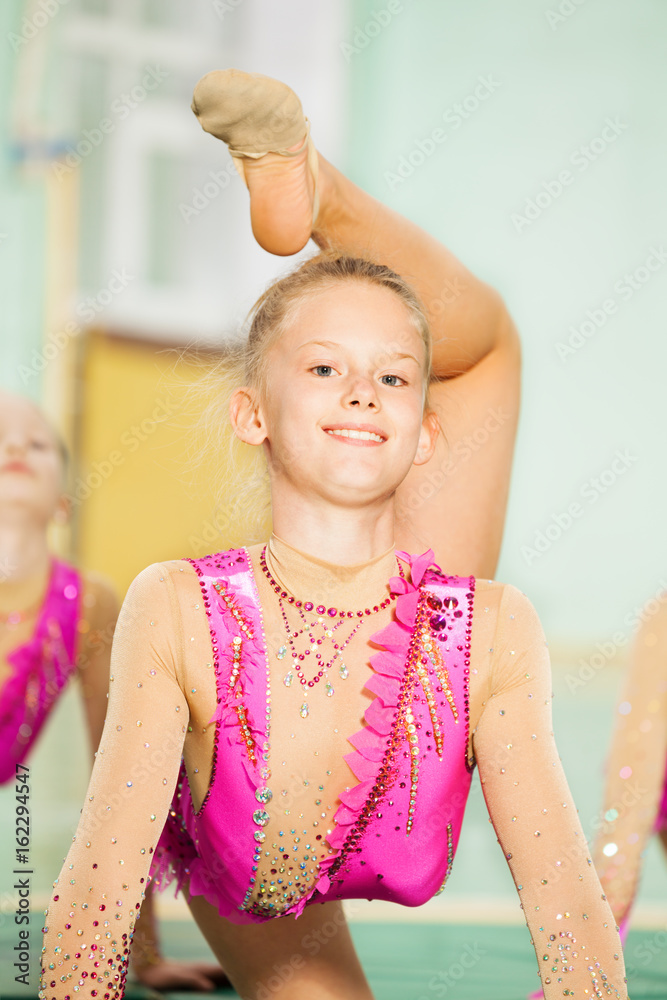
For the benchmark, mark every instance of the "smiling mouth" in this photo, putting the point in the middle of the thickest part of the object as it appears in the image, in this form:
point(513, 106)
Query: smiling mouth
point(353, 434)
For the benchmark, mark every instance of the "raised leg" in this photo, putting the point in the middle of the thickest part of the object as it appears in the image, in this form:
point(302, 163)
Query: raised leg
point(456, 503)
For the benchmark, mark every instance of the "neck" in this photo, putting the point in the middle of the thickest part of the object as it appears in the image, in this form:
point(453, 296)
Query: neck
point(24, 564)
point(342, 536)
point(348, 588)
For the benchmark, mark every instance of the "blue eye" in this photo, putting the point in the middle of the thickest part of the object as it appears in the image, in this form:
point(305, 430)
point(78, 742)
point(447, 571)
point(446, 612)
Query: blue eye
point(396, 380)
point(323, 370)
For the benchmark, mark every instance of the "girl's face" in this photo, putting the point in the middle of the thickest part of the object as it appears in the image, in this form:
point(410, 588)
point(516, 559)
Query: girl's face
point(342, 414)
point(31, 465)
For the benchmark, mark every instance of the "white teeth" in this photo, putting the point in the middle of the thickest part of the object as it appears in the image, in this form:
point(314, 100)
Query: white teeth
point(361, 435)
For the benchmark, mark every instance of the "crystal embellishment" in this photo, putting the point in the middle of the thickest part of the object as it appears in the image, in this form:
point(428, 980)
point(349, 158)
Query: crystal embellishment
point(263, 795)
point(288, 678)
point(343, 671)
point(282, 653)
point(304, 710)
point(260, 817)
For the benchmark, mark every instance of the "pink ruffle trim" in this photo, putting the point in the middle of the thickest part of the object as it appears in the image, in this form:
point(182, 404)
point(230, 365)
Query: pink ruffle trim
point(370, 742)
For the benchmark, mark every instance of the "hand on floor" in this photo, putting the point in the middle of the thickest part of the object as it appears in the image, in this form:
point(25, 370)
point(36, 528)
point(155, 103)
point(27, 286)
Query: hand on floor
point(196, 976)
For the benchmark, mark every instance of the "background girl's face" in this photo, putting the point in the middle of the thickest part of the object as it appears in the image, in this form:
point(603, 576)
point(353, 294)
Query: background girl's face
point(343, 405)
point(31, 464)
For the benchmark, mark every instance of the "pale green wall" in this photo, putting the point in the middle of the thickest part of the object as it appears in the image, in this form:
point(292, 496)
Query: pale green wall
point(556, 87)
point(22, 229)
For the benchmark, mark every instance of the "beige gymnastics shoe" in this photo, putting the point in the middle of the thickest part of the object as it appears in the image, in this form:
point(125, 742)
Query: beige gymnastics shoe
point(256, 116)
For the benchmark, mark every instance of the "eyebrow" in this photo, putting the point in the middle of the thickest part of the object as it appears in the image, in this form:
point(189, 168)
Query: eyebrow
point(334, 344)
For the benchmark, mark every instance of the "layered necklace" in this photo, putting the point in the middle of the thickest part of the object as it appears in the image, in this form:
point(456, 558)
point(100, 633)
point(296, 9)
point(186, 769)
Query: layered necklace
point(317, 624)
point(13, 618)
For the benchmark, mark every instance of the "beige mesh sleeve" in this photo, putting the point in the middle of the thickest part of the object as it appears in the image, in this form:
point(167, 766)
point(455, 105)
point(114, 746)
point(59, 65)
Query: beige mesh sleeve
point(536, 822)
point(97, 896)
point(636, 765)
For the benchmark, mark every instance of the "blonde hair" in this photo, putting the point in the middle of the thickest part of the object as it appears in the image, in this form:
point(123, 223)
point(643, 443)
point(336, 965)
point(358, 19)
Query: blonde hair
point(244, 486)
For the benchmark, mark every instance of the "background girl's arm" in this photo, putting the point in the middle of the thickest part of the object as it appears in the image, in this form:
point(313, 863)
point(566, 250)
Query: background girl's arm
point(572, 926)
point(99, 614)
point(636, 766)
point(96, 899)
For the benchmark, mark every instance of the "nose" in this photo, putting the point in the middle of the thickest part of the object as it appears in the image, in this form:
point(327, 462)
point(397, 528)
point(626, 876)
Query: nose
point(13, 444)
point(362, 393)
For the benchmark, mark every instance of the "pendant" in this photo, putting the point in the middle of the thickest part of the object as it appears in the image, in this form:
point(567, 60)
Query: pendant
point(329, 689)
point(343, 671)
point(288, 678)
point(304, 710)
point(282, 653)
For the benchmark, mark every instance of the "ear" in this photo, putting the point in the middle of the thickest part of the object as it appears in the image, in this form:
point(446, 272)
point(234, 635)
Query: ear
point(427, 438)
point(246, 417)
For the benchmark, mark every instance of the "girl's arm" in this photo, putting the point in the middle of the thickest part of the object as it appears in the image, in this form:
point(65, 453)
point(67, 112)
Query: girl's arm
point(97, 897)
point(636, 765)
point(99, 616)
point(571, 924)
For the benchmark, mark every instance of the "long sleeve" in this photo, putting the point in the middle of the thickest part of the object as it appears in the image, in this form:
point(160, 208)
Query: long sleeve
point(536, 822)
point(89, 922)
point(636, 766)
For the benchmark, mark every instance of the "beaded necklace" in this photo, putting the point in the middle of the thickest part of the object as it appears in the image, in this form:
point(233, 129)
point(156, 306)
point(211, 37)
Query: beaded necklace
point(325, 623)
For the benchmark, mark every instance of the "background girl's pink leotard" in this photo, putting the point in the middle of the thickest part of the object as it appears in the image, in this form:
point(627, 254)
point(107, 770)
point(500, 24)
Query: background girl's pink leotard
point(661, 821)
point(41, 668)
point(396, 831)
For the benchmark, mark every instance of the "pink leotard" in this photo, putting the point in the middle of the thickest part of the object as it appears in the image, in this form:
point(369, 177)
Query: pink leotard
point(41, 669)
point(396, 831)
point(661, 820)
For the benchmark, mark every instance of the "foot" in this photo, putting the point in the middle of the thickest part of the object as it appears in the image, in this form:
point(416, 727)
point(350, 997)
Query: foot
point(282, 195)
point(255, 115)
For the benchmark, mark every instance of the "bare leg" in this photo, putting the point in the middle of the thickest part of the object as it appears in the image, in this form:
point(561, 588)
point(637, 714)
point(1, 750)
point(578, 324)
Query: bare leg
point(456, 503)
point(312, 958)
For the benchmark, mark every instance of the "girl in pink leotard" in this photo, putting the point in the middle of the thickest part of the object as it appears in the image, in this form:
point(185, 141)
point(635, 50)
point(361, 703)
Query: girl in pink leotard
point(328, 692)
point(55, 624)
point(54, 621)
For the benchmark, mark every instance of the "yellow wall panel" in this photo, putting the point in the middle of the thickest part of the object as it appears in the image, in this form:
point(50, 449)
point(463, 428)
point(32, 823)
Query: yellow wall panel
point(138, 495)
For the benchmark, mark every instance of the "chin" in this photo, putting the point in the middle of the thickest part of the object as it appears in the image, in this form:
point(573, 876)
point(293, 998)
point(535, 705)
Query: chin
point(356, 491)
